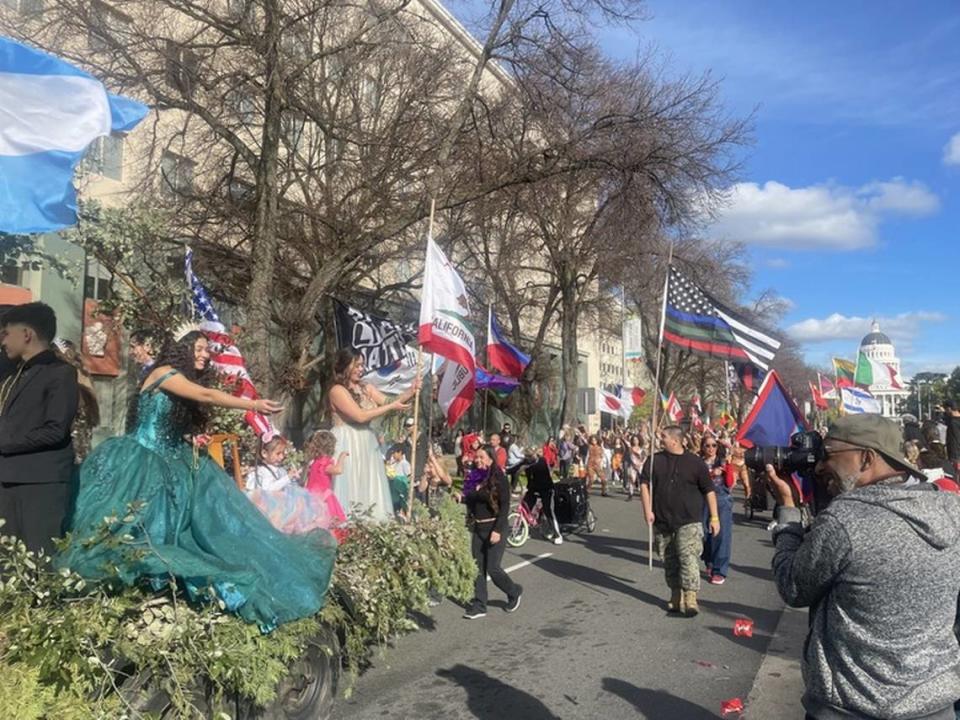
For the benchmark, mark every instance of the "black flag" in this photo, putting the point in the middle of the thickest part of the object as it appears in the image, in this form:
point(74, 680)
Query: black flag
point(382, 342)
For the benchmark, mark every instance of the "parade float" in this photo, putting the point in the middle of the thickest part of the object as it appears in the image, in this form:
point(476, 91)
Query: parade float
point(72, 651)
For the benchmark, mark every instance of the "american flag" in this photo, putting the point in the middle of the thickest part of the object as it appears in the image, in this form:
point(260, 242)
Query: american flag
point(224, 354)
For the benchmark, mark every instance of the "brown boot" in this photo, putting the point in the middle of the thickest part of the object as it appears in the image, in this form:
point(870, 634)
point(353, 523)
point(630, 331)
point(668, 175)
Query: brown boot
point(690, 607)
point(675, 604)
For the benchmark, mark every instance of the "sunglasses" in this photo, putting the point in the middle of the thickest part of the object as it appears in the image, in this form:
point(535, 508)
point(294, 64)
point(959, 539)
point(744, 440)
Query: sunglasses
point(709, 444)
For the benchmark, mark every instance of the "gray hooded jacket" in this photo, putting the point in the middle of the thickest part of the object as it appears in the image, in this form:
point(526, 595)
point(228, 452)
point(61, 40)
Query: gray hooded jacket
point(880, 571)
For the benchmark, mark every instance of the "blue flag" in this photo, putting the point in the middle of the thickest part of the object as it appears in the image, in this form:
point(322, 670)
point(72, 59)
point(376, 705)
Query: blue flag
point(50, 112)
point(773, 418)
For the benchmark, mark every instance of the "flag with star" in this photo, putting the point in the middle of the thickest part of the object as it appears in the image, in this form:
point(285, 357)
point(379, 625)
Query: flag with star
point(698, 323)
point(225, 356)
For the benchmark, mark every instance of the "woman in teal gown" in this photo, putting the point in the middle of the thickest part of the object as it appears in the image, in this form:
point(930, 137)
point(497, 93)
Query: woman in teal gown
point(174, 513)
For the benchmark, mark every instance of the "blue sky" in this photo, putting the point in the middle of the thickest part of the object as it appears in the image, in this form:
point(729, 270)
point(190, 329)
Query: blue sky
point(850, 195)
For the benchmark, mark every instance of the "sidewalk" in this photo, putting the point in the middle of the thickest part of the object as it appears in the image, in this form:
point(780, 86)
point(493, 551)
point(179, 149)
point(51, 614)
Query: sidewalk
point(778, 686)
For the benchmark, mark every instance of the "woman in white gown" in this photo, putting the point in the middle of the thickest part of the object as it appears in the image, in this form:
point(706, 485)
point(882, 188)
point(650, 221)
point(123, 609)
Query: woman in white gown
point(363, 483)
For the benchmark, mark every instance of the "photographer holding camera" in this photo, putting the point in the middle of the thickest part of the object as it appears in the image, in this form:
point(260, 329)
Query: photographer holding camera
point(879, 569)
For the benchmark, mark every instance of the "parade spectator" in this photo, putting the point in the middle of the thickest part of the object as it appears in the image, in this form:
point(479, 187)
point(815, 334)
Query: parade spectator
point(516, 459)
point(717, 547)
point(322, 470)
point(38, 404)
point(471, 443)
point(405, 441)
point(951, 418)
point(911, 429)
point(433, 483)
point(582, 443)
point(636, 456)
point(551, 453)
point(566, 454)
point(880, 571)
point(680, 485)
point(540, 485)
point(143, 351)
point(595, 465)
point(499, 451)
point(506, 435)
point(458, 450)
point(398, 474)
point(488, 507)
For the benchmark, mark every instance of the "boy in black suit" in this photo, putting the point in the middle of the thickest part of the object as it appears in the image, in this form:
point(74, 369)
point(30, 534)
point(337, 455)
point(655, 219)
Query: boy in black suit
point(38, 402)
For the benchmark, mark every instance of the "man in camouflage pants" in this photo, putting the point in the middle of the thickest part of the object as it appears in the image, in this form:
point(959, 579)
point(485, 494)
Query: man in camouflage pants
point(674, 484)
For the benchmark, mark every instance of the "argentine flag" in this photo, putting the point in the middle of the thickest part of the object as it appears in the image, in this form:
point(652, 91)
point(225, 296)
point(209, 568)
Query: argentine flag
point(50, 111)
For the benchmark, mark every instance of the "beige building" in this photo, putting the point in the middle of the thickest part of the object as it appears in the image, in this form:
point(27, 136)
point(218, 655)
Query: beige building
point(171, 153)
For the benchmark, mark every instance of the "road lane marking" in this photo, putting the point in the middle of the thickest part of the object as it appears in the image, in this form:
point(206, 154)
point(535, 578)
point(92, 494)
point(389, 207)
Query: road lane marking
point(525, 563)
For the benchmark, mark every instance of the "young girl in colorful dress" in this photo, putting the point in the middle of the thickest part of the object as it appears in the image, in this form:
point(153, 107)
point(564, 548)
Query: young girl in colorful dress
point(323, 468)
point(289, 507)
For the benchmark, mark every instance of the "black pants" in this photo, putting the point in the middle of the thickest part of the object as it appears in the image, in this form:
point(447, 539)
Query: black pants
point(489, 559)
point(546, 498)
point(34, 512)
point(564, 469)
point(513, 473)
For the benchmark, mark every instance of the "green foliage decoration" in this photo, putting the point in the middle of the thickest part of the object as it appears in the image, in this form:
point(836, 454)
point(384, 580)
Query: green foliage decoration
point(70, 650)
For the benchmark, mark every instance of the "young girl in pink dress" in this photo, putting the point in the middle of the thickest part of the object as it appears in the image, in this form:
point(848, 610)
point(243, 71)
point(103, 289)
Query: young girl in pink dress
point(320, 449)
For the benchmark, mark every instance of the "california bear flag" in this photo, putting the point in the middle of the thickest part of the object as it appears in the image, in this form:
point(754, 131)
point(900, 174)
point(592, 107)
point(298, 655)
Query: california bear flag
point(445, 330)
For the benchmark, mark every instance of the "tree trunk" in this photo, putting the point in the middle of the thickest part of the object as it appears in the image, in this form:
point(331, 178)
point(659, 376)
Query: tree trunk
point(569, 357)
point(264, 241)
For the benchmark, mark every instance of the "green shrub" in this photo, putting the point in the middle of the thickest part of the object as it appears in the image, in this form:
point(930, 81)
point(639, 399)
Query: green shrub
point(66, 647)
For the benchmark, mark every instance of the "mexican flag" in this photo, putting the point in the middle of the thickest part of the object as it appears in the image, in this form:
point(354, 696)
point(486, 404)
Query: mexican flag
point(845, 371)
point(446, 331)
point(873, 372)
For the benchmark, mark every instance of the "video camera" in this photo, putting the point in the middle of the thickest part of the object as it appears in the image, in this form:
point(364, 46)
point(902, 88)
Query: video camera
point(804, 452)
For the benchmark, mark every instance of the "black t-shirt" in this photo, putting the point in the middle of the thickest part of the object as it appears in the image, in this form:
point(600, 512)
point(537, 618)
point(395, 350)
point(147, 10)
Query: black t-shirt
point(680, 483)
point(538, 475)
point(953, 436)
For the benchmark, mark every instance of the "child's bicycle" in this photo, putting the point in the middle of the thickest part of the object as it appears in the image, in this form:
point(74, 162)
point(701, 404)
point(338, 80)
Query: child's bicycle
point(521, 520)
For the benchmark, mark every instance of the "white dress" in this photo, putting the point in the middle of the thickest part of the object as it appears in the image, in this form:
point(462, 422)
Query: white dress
point(363, 484)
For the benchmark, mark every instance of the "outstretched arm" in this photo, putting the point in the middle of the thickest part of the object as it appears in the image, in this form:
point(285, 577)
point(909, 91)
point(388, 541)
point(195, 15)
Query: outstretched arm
point(343, 402)
point(178, 385)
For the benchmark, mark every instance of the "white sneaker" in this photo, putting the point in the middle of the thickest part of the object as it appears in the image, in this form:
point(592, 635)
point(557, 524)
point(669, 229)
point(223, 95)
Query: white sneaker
point(558, 540)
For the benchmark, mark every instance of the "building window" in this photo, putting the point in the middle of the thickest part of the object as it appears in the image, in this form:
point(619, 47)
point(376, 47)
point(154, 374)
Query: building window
point(181, 67)
point(106, 24)
point(242, 104)
point(176, 175)
point(97, 282)
point(105, 157)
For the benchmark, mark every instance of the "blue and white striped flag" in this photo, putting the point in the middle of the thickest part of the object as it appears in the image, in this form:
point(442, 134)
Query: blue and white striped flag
point(50, 111)
point(857, 401)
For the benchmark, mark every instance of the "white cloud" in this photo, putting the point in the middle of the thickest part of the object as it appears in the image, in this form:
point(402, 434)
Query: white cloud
point(818, 216)
point(951, 153)
point(777, 263)
point(901, 329)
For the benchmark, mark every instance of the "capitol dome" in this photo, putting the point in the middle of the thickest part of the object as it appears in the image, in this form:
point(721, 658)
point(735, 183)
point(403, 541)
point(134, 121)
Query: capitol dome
point(878, 347)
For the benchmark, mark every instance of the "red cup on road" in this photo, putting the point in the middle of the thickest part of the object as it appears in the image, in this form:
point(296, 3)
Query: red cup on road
point(743, 627)
point(731, 708)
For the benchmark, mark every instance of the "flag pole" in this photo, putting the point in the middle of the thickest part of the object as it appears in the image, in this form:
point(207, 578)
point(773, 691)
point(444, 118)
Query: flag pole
point(656, 400)
point(416, 397)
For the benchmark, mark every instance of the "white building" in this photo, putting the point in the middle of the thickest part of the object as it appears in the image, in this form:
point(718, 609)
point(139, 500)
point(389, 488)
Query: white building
point(877, 346)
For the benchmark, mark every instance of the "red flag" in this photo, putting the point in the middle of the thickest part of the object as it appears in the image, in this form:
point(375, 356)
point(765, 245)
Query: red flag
point(818, 400)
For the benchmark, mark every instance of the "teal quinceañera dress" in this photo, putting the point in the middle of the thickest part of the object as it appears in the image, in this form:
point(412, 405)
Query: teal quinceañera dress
point(190, 522)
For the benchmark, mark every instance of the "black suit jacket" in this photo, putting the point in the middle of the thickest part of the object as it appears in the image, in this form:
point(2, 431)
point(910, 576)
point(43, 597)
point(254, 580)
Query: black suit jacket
point(36, 420)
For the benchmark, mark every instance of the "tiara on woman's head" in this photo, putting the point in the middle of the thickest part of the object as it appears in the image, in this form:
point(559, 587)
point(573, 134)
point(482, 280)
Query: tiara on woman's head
point(185, 329)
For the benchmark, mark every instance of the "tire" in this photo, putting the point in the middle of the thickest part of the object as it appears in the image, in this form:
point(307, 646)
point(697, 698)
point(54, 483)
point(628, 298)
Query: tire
point(591, 523)
point(519, 530)
point(145, 695)
point(309, 689)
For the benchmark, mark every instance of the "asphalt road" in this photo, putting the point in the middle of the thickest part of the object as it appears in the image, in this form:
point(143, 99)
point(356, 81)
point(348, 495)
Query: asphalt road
point(591, 640)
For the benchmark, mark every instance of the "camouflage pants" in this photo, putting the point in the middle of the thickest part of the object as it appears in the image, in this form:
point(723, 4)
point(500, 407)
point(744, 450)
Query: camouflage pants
point(680, 551)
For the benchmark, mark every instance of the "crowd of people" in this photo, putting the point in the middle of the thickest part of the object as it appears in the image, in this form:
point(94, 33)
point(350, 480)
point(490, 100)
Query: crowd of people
point(877, 561)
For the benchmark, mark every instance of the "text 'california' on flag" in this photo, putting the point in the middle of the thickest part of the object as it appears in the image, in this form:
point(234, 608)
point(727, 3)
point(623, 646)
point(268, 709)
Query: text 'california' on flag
point(224, 354)
point(50, 111)
point(445, 330)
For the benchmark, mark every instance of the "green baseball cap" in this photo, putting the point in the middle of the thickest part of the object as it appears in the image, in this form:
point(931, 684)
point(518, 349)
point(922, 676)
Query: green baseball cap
point(876, 433)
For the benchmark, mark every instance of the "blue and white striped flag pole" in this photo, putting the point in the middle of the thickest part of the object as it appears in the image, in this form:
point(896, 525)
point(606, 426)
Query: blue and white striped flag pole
point(50, 112)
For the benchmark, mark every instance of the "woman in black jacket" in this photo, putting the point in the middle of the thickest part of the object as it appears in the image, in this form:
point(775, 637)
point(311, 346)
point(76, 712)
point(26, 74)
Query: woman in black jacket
point(488, 507)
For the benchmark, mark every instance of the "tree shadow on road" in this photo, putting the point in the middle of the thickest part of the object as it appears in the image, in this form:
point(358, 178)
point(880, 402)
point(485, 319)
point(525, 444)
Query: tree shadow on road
point(656, 704)
point(598, 579)
point(491, 699)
